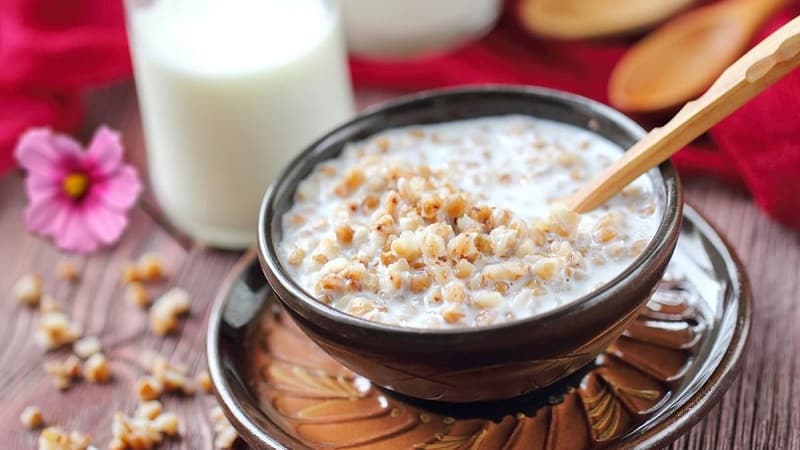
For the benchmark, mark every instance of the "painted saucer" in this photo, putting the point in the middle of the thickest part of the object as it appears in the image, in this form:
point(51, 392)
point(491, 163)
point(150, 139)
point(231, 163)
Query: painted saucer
point(660, 377)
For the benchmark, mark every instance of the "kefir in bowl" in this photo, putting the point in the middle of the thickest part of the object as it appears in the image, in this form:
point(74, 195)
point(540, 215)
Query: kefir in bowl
point(458, 224)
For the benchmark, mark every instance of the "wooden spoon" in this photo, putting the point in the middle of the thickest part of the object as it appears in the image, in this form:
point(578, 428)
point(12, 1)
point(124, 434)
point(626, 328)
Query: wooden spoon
point(705, 41)
point(577, 19)
point(762, 66)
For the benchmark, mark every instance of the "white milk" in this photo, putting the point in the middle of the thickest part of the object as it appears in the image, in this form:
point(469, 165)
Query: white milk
point(514, 166)
point(230, 91)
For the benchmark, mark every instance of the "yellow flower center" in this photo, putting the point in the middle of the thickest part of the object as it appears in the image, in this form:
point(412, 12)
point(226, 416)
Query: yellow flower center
point(75, 185)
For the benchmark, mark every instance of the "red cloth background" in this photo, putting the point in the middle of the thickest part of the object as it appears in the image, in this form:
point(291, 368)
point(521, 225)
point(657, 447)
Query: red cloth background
point(52, 50)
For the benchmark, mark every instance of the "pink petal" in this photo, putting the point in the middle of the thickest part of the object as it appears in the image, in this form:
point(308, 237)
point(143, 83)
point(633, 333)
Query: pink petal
point(105, 151)
point(75, 234)
point(43, 216)
point(104, 222)
point(43, 153)
point(41, 188)
point(121, 190)
point(39, 215)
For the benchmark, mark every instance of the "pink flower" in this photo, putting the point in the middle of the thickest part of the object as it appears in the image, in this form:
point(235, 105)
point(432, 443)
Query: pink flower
point(79, 198)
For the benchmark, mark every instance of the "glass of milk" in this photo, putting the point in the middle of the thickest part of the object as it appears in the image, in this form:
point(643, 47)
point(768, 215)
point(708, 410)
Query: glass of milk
point(230, 91)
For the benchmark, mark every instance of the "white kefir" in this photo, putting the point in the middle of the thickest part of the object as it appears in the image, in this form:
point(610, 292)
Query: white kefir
point(458, 224)
point(230, 91)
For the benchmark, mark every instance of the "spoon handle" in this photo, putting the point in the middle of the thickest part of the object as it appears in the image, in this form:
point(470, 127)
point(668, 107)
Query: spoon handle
point(762, 66)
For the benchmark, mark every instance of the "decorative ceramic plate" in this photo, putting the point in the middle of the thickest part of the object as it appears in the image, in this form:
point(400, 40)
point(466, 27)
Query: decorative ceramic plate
point(670, 366)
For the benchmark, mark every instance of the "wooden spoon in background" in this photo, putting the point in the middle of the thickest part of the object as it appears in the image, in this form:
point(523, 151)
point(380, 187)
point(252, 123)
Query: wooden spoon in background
point(762, 66)
point(577, 19)
point(675, 63)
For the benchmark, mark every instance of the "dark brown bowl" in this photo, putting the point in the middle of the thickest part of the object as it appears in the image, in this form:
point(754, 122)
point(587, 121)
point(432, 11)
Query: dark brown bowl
point(484, 363)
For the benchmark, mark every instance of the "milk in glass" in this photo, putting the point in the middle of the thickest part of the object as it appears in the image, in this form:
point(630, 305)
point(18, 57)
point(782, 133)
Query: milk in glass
point(230, 91)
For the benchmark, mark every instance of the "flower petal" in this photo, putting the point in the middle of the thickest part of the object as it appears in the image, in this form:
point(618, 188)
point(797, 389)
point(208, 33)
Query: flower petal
point(121, 189)
point(59, 220)
point(106, 223)
point(40, 217)
point(42, 188)
point(43, 153)
point(105, 151)
point(75, 235)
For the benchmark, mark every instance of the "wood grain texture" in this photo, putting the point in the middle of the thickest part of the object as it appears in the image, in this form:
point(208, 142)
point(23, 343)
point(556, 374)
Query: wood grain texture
point(760, 411)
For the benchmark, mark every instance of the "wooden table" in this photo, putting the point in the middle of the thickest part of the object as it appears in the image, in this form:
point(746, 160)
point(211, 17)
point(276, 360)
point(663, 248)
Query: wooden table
point(761, 410)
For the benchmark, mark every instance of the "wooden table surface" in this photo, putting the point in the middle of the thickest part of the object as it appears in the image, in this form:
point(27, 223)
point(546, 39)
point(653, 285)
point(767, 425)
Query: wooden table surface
point(760, 411)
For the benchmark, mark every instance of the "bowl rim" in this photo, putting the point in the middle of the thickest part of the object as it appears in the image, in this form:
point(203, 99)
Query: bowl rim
point(669, 225)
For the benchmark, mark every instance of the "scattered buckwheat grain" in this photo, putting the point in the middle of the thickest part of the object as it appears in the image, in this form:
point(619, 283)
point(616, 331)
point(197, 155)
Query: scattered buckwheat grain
point(148, 388)
point(203, 380)
point(150, 267)
point(167, 309)
point(31, 417)
point(54, 329)
point(86, 346)
point(64, 372)
point(146, 429)
point(96, 369)
point(28, 289)
point(225, 433)
point(162, 376)
point(130, 273)
point(136, 294)
point(68, 270)
point(55, 438)
point(149, 409)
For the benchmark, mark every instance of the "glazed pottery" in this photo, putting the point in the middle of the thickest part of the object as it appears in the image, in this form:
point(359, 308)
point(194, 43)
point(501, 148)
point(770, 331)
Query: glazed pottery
point(480, 363)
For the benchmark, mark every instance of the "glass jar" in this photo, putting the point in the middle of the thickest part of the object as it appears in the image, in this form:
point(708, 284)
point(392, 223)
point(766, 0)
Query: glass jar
point(229, 92)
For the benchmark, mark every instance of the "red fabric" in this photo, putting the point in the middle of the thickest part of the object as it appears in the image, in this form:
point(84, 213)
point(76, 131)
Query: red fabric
point(758, 147)
point(51, 50)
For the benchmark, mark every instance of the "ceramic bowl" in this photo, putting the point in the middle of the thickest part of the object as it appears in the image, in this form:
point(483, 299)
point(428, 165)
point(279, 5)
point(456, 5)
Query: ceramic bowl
point(402, 29)
point(483, 363)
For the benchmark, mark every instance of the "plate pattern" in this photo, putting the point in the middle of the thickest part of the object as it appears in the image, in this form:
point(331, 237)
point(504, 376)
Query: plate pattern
point(323, 404)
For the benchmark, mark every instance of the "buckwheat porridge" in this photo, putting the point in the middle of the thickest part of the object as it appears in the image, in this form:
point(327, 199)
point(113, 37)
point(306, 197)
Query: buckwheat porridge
point(457, 224)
